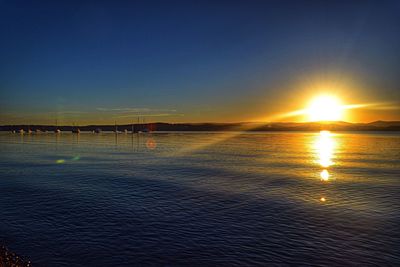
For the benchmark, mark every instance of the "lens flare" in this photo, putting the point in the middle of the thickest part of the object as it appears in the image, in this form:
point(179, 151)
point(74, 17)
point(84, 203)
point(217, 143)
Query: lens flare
point(151, 144)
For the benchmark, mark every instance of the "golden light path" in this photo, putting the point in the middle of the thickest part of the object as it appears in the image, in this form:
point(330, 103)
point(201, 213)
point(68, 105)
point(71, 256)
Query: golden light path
point(325, 146)
point(325, 143)
point(321, 108)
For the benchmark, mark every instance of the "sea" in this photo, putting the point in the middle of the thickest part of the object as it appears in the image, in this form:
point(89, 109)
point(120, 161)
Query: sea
point(202, 198)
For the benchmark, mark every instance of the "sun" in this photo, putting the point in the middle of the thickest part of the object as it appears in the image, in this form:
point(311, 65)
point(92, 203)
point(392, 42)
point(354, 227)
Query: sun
point(325, 108)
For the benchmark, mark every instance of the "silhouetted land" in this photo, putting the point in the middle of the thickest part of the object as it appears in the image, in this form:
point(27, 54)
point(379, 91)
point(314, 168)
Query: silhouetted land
point(280, 126)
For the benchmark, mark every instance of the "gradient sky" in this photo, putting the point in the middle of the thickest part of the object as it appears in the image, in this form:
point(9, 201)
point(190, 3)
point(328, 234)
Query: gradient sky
point(195, 61)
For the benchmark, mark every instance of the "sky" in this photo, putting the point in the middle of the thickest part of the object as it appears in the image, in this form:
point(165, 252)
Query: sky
point(83, 62)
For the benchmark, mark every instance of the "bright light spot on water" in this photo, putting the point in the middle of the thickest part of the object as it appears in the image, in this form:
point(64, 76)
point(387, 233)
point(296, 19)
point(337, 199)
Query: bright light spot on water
point(322, 199)
point(325, 146)
point(60, 161)
point(324, 175)
point(325, 133)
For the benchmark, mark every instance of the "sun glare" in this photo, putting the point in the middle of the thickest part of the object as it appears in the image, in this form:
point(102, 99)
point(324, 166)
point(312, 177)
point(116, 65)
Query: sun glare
point(325, 108)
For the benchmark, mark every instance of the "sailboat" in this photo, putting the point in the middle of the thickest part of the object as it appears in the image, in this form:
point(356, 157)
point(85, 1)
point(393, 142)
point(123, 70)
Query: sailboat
point(116, 128)
point(75, 129)
point(56, 130)
point(144, 129)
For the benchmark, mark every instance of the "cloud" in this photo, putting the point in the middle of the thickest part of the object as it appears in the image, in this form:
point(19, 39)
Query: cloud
point(71, 112)
point(134, 112)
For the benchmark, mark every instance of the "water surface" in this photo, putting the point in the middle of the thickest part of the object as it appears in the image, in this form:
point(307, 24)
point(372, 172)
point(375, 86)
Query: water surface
point(196, 199)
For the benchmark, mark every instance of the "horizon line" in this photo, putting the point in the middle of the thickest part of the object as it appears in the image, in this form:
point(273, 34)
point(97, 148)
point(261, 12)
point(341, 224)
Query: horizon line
point(243, 122)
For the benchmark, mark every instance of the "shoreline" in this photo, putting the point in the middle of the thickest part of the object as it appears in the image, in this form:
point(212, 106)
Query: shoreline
point(212, 127)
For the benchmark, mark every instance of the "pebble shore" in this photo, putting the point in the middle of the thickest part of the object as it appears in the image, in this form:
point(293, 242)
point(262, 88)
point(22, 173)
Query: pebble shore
point(10, 259)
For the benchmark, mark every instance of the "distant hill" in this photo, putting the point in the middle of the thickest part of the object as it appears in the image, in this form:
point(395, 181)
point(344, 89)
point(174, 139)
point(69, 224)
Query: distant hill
point(384, 123)
point(249, 126)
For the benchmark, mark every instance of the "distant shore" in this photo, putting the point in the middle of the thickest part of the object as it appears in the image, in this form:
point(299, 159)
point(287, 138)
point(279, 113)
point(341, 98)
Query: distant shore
point(160, 126)
point(8, 258)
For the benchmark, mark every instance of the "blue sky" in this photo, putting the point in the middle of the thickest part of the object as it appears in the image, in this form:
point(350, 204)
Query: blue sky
point(101, 61)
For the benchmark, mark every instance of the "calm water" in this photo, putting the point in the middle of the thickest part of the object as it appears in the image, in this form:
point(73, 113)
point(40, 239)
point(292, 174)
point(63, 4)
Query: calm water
point(196, 199)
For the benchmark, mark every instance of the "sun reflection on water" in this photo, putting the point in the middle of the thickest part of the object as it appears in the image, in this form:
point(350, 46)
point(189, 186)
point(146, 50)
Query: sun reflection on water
point(325, 147)
point(324, 175)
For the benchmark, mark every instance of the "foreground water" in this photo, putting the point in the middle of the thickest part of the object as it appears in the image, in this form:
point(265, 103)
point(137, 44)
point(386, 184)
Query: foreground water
point(196, 199)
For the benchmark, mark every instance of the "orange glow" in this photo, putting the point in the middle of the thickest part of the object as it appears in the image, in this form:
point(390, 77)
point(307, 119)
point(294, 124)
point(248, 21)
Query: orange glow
point(322, 199)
